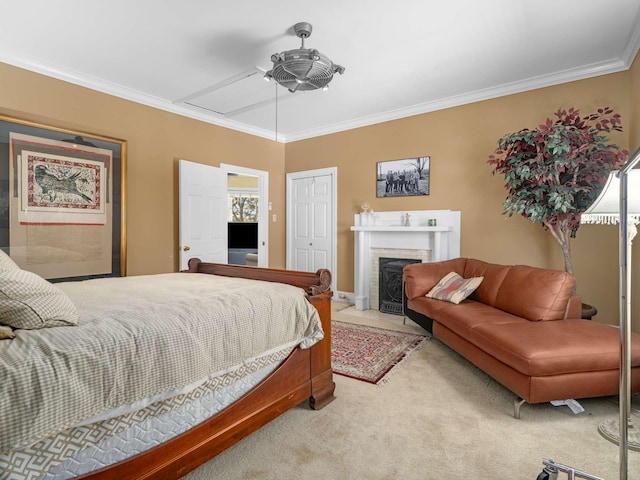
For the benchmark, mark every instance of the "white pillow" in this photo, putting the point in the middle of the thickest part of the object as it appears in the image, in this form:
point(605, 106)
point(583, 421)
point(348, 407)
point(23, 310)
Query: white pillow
point(28, 301)
point(453, 288)
point(6, 262)
point(6, 332)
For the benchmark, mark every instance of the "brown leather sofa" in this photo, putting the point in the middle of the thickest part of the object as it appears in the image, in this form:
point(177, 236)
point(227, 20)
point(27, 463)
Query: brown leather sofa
point(522, 326)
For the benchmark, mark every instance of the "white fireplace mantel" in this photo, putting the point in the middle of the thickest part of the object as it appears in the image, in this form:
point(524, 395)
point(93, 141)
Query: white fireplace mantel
point(401, 229)
point(386, 230)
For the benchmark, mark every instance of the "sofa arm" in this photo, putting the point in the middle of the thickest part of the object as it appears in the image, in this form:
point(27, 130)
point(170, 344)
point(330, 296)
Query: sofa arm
point(574, 307)
point(419, 278)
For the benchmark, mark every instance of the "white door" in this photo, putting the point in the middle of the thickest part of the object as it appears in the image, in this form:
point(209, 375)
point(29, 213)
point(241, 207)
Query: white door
point(203, 213)
point(311, 221)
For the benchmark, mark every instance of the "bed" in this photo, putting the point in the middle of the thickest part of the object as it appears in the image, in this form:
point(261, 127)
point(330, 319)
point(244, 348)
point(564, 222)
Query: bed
point(135, 428)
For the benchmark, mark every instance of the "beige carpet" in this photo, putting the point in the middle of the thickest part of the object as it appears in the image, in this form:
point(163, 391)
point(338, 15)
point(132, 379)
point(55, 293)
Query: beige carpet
point(437, 417)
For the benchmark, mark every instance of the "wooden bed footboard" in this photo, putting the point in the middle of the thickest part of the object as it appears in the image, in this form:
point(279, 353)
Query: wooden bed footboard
point(305, 375)
point(313, 283)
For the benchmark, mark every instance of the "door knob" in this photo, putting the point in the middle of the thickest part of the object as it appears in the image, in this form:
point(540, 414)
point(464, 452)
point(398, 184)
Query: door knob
point(186, 248)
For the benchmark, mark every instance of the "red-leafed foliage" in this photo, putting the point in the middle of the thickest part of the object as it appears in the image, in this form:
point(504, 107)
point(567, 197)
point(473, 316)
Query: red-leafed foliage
point(555, 172)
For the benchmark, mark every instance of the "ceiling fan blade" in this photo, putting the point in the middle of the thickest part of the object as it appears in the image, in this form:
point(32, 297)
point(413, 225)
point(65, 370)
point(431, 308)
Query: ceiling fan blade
point(316, 86)
point(293, 74)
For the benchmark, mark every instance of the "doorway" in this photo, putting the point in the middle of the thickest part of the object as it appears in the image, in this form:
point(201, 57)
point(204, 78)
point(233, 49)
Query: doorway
point(204, 212)
point(246, 187)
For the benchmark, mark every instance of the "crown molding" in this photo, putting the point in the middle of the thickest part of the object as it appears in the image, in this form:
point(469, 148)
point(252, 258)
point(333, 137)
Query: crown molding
point(119, 91)
point(565, 76)
point(602, 68)
point(593, 70)
point(633, 45)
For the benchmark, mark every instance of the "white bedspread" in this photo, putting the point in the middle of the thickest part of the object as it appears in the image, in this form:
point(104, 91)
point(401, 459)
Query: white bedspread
point(139, 338)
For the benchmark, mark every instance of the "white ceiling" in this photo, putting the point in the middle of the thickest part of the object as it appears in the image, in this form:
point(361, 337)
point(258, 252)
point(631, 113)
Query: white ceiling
point(402, 58)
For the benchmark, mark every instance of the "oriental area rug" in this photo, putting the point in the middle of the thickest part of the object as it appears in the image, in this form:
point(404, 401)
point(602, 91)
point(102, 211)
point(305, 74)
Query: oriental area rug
point(368, 353)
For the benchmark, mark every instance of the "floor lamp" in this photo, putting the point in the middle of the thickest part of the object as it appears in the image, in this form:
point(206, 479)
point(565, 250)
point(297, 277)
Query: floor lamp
point(619, 202)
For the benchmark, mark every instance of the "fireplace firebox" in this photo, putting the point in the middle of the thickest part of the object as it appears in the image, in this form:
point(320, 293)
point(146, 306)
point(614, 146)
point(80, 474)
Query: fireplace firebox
point(390, 283)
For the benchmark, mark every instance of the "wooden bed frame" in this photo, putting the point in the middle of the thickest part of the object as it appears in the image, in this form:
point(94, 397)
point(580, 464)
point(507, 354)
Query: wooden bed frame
point(305, 374)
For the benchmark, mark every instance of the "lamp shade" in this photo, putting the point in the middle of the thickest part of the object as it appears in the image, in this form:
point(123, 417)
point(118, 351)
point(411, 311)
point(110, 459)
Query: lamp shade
point(606, 208)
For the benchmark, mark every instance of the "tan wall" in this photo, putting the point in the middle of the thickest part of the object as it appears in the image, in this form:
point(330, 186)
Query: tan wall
point(156, 140)
point(242, 181)
point(459, 140)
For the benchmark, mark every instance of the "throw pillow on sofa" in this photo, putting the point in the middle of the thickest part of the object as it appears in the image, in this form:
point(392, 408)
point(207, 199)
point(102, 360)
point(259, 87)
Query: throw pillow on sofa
point(453, 288)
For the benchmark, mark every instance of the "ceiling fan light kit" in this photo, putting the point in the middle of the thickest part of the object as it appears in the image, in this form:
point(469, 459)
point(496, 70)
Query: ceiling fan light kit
point(303, 68)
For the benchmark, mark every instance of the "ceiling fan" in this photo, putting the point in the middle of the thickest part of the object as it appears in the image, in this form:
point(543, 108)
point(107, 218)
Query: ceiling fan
point(303, 68)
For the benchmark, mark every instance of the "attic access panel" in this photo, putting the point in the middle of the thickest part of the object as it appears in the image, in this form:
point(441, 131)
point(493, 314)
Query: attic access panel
point(242, 92)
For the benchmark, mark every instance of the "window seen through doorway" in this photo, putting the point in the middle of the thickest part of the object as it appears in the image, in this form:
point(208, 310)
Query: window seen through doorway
point(243, 198)
point(243, 207)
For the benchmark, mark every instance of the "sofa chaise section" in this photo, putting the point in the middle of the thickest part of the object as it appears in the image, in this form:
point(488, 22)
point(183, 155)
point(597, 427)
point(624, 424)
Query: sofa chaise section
point(522, 326)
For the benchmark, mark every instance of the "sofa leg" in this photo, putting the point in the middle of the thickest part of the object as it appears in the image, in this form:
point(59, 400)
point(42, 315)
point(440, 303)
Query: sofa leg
point(517, 403)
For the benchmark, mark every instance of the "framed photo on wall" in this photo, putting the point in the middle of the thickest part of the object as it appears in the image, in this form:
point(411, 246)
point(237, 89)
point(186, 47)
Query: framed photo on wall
point(62, 201)
point(403, 178)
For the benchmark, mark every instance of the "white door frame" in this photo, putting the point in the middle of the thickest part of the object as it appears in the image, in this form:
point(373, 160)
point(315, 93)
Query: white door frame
point(263, 208)
point(291, 177)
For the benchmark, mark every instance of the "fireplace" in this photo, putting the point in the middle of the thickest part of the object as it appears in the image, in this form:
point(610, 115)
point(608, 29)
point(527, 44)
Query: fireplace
point(386, 236)
point(390, 283)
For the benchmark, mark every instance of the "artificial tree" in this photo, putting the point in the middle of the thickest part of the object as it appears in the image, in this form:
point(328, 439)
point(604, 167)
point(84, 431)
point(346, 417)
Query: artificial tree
point(555, 172)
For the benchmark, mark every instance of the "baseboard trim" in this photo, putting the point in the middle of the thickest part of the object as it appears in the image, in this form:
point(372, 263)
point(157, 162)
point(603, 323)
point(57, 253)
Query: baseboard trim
point(344, 297)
